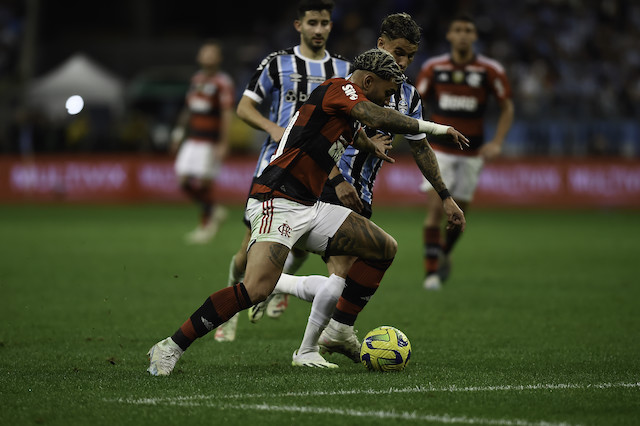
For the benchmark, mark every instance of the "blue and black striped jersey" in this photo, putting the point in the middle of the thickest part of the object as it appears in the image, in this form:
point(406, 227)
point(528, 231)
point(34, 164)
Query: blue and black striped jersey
point(361, 168)
point(286, 79)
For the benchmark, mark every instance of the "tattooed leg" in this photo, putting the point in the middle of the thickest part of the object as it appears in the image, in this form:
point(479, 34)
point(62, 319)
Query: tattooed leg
point(375, 250)
point(358, 236)
point(265, 261)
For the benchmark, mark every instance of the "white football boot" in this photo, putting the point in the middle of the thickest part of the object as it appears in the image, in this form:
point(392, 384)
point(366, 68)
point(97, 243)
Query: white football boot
point(163, 357)
point(204, 234)
point(277, 304)
point(312, 360)
point(432, 282)
point(340, 338)
point(256, 312)
point(226, 332)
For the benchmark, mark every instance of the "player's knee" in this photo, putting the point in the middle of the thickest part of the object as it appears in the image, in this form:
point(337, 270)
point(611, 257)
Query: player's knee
point(392, 247)
point(385, 248)
point(257, 294)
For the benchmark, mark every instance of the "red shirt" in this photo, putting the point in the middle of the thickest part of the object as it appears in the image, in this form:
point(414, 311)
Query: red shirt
point(457, 95)
point(312, 144)
point(207, 97)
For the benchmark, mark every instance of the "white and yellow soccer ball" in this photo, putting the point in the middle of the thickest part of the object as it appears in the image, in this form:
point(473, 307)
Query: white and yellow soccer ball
point(385, 348)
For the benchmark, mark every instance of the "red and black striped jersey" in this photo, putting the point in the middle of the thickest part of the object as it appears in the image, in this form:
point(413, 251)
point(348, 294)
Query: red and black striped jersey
point(457, 95)
point(312, 144)
point(207, 97)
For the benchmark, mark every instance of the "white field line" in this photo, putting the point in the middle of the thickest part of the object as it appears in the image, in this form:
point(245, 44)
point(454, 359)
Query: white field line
point(389, 391)
point(391, 415)
point(218, 401)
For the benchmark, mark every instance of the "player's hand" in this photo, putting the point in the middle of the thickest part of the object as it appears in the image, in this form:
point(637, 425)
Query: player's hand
point(455, 215)
point(382, 143)
point(490, 150)
point(348, 196)
point(458, 137)
point(277, 133)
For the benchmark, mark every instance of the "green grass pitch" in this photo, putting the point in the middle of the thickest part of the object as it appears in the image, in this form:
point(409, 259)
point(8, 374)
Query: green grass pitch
point(539, 324)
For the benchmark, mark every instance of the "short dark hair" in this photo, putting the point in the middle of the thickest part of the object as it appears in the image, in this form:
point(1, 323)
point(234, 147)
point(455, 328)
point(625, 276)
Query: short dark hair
point(380, 63)
point(401, 25)
point(464, 17)
point(318, 5)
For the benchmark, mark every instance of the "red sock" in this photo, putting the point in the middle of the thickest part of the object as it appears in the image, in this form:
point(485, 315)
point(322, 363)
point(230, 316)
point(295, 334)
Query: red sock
point(432, 248)
point(363, 280)
point(452, 237)
point(217, 309)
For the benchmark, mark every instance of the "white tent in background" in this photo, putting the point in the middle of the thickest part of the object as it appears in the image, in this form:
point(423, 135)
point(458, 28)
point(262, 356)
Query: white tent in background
point(79, 75)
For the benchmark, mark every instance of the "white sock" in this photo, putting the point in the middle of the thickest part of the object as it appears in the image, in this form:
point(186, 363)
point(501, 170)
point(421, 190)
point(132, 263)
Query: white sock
point(304, 288)
point(322, 308)
point(336, 328)
point(235, 276)
point(294, 261)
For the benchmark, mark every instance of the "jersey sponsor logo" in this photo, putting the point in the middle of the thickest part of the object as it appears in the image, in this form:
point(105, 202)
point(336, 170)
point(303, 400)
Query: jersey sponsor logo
point(297, 78)
point(457, 102)
point(318, 79)
point(294, 97)
point(350, 91)
point(199, 104)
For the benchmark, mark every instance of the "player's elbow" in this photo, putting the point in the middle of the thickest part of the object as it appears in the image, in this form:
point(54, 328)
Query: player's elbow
point(244, 109)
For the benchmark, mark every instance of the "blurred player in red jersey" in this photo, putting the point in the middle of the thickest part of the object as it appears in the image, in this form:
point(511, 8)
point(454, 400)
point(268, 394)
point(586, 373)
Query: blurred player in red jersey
point(455, 88)
point(201, 139)
point(284, 208)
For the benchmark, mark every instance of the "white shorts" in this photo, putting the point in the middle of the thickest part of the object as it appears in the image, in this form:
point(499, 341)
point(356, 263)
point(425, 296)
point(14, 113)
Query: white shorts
point(460, 173)
point(289, 223)
point(197, 158)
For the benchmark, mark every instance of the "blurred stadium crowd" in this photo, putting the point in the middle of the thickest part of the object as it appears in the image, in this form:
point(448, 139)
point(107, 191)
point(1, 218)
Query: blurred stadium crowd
point(574, 66)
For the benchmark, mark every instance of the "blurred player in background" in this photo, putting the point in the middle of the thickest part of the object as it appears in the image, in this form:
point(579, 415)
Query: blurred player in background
point(284, 79)
point(455, 88)
point(284, 208)
point(201, 139)
point(399, 36)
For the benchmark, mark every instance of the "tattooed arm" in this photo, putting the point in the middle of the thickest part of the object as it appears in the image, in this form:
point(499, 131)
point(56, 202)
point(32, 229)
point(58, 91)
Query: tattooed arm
point(389, 120)
point(378, 144)
point(427, 163)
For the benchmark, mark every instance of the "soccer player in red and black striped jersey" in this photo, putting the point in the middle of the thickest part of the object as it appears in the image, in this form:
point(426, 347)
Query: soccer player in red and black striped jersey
point(201, 138)
point(400, 36)
point(456, 88)
point(284, 80)
point(284, 209)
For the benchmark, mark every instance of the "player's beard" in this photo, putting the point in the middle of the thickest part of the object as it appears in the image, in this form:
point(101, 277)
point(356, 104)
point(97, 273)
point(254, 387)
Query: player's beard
point(316, 44)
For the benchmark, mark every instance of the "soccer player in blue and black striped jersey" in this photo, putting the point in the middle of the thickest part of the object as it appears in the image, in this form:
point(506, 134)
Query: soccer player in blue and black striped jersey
point(400, 36)
point(285, 79)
